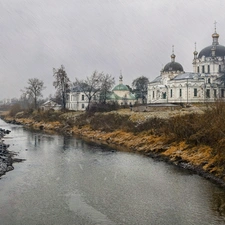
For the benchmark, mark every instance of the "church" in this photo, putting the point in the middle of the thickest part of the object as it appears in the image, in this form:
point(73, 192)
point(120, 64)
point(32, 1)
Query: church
point(121, 94)
point(205, 84)
point(78, 101)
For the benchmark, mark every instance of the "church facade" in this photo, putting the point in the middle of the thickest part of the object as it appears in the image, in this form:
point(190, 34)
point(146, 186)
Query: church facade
point(204, 84)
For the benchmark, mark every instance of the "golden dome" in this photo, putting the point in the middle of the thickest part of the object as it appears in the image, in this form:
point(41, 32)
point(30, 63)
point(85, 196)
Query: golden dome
point(215, 35)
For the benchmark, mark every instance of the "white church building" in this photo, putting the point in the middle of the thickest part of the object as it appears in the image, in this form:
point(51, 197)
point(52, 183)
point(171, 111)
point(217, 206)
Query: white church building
point(204, 84)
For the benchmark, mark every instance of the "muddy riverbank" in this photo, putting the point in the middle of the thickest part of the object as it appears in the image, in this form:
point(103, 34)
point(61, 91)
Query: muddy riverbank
point(6, 157)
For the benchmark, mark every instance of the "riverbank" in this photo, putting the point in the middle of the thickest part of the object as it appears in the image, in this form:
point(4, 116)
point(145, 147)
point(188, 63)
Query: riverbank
point(6, 159)
point(159, 137)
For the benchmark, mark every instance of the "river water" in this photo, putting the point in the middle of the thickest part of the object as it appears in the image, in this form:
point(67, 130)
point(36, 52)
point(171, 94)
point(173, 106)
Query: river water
point(67, 181)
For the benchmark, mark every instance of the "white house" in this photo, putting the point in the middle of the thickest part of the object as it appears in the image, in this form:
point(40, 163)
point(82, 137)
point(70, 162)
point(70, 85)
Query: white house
point(77, 100)
point(204, 84)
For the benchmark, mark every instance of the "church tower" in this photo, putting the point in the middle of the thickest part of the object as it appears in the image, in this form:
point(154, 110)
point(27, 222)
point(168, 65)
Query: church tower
point(210, 59)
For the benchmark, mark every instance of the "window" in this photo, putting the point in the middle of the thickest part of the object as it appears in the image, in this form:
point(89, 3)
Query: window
point(171, 93)
point(208, 68)
point(153, 94)
point(220, 68)
point(82, 106)
point(180, 92)
point(215, 95)
point(198, 69)
point(208, 93)
point(222, 93)
point(164, 95)
point(195, 92)
point(82, 97)
point(203, 69)
point(209, 81)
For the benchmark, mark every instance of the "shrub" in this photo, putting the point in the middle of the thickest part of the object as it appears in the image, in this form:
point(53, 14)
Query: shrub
point(100, 107)
point(108, 122)
point(15, 109)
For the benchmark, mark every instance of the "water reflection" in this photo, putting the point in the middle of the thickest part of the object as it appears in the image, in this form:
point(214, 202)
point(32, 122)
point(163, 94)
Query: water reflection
point(68, 181)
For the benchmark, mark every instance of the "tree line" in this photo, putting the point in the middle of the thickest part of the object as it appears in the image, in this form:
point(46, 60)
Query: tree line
point(95, 83)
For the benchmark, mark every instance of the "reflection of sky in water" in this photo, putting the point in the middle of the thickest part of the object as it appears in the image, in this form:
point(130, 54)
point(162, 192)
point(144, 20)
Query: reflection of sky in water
point(67, 181)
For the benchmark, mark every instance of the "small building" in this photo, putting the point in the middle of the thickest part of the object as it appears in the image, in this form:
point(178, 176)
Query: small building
point(50, 104)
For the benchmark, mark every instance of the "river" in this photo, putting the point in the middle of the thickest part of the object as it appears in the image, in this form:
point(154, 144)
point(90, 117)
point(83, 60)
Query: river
point(65, 180)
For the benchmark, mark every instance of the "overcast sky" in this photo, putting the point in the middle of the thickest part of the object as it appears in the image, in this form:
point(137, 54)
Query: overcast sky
point(135, 36)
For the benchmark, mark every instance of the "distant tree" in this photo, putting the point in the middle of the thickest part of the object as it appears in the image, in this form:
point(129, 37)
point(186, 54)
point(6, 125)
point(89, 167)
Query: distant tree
point(91, 85)
point(130, 89)
point(33, 91)
point(107, 82)
point(140, 86)
point(61, 83)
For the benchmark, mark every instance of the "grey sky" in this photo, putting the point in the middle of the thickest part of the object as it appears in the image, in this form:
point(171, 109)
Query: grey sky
point(135, 36)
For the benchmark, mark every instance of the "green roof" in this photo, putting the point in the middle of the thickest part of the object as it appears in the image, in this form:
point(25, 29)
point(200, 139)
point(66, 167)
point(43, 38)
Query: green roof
point(115, 97)
point(121, 87)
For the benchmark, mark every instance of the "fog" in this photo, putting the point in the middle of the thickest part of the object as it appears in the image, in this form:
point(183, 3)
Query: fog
point(131, 36)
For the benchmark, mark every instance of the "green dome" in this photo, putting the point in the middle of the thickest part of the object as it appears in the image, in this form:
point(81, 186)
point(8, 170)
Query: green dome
point(121, 87)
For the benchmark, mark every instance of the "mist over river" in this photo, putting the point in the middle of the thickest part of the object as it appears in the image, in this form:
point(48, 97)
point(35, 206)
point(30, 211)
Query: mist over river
point(65, 180)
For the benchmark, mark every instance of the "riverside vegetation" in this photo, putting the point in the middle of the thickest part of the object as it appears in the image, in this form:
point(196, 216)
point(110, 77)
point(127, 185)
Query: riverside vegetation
point(192, 140)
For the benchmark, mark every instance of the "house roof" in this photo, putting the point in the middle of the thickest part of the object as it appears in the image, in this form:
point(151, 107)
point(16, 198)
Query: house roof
point(157, 79)
point(51, 103)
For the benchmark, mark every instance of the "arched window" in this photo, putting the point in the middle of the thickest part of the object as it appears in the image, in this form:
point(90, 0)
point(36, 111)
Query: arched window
point(195, 92)
point(203, 69)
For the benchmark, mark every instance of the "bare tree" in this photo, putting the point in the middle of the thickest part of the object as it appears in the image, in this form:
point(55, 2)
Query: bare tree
point(34, 90)
point(91, 86)
point(61, 84)
point(107, 83)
